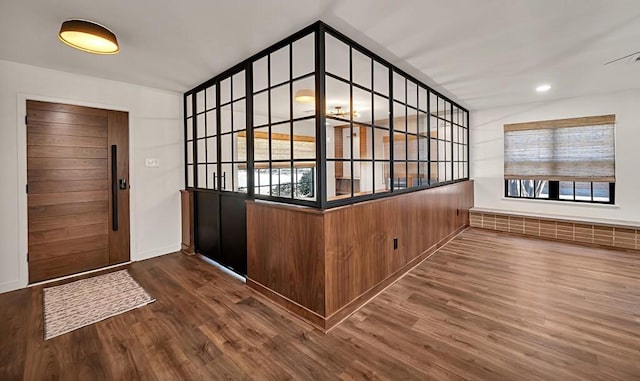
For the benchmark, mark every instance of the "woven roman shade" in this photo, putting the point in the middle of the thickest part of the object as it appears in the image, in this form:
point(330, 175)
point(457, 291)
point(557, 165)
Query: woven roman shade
point(577, 149)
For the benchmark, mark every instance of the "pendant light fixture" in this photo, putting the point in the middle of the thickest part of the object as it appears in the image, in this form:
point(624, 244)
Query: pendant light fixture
point(89, 37)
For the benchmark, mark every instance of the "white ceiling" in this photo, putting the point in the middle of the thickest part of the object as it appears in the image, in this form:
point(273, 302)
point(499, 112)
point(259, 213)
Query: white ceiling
point(482, 53)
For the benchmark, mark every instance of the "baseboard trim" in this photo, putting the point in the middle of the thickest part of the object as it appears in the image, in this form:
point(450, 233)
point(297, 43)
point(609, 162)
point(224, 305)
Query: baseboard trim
point(10, 286)
point(326, 323)
point(156, 252)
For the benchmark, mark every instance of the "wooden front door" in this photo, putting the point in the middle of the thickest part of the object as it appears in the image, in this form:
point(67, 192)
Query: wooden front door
point(78, 189)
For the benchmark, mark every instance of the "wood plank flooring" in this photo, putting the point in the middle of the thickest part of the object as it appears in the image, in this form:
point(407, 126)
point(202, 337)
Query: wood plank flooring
point(487, 306)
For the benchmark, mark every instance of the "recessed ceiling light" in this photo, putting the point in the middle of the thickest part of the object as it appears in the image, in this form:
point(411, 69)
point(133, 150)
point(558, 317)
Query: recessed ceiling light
point(89, 37)
point(543, 88)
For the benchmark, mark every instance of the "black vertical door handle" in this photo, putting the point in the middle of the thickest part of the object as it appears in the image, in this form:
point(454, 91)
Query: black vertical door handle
point(114, 188)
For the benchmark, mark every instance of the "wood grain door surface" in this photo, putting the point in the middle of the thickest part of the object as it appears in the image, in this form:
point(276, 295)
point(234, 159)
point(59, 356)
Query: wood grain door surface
point(70, 197)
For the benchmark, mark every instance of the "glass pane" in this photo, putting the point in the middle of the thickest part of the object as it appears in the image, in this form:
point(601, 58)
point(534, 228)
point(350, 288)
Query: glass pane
point(188, 105)
point(583, 191)
point(527, 188)
point(336, 57)
point(261, 179)
point(200, 126)
point(225, 119)
point(442, 172)
point(381, 111)
point(399, 87)
point(338, 98)
point(305, 182)
point(226, 177)
point(239, 115)
point(261, 144)
point(399, 176)
point(362, 141)
point(363, 176)
point(239, 146)
point(399, 117)
point(361, 69)
point(239, 85)
point(261, 109)
point(189, 176)
point(225, 147)
point(190, 129)
point(423, 128)
point(304, 56)
point(260, 75)
point(338, 139)
point(211, 176)
point(381, 177)
point(189, 152)
point(281, 182)
point(412, 94)
point(542, 186)
point(304, 95)
point(211, 97)
point(339, 179)
point(202, 176)
point(380, 144)
point(423, 148)
point(399, 147)
point(513, 188)
point(433, 104)
point(280, 104)
point(211, 123)
point(380, 78)
point(434, 149)
point(240, 178)
point(362, 106)
point(281, 142)
point(566, 190)
point(412, 174)
point(412, 120)
point(601, 192)
point(412, 147)
point(423, 174)
point(434, 173)
point(212, 150)
point(304, 139)
point(280, 66)
point(225, 91)
point(200, 102)
point(422, 99)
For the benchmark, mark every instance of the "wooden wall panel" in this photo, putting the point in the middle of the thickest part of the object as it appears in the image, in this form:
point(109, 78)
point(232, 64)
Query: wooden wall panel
point(285, 252)
point(359, 237)
point(323, 265)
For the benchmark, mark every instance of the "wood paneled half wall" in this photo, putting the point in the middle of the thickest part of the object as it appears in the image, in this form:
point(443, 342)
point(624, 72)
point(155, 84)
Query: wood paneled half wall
point(324, 265)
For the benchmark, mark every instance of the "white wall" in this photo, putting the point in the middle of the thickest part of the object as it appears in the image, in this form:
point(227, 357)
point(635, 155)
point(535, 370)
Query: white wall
point(487, 153)
point(155, 130)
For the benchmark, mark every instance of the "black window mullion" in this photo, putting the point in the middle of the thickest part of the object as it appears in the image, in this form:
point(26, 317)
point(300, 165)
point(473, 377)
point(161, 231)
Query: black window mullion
point(291, 141)
point(321, 104)
point(351, 120)
point(391, 123)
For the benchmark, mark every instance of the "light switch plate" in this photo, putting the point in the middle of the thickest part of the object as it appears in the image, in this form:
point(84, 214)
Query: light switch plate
point(151, 163)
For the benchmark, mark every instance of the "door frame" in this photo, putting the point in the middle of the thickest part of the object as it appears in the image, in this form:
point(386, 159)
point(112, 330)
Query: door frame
point(21, 144)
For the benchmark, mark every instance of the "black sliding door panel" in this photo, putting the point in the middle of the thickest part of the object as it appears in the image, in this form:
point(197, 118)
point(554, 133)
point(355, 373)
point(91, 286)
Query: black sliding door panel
point(207, 205)
point(233, 252)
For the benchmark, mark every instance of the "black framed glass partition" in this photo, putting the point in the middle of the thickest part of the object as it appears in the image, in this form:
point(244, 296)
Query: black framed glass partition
point(319, 120)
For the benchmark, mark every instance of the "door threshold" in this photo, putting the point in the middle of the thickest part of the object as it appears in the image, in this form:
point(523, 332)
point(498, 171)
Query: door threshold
point(222, 268)
point(41, 283)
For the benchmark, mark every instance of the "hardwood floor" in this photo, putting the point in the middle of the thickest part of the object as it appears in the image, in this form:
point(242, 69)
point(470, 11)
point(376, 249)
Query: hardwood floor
point(487, 306)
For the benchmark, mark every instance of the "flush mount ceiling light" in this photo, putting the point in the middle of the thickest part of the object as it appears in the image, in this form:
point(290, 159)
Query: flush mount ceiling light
point(305, 96)
point(543, 88)
point(89, 37)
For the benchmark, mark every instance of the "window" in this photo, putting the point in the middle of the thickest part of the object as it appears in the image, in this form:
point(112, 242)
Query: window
point(563, 160)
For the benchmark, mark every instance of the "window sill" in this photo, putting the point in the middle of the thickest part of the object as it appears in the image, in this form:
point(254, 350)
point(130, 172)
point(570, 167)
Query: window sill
point(566, 203)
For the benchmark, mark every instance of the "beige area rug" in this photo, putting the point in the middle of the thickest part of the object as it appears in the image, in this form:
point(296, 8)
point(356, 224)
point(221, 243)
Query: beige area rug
point(87, 301)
